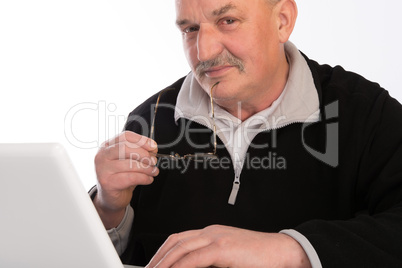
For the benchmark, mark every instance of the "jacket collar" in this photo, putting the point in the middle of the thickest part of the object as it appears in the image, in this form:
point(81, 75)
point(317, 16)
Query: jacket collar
point(298, 102)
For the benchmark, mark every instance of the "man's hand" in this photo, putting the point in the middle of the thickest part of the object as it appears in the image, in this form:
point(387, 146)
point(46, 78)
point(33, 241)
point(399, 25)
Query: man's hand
point(121, 164)
point(222, 246)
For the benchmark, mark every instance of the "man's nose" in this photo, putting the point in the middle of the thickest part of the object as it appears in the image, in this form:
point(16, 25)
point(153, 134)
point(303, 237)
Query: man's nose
point(208, 43)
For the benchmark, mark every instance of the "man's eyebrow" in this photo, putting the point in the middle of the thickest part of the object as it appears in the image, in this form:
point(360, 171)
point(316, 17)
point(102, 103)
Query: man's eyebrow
point(215, 13)
point(182, 22)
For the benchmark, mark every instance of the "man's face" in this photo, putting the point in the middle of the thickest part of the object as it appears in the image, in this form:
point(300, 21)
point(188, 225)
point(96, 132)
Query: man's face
point(235, 42)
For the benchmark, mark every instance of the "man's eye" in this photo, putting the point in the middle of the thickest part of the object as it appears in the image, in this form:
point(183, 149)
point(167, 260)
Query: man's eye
point(229, 21)
point(190, 29)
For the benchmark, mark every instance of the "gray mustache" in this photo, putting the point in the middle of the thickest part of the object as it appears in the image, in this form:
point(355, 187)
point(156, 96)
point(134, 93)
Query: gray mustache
point(222, 59)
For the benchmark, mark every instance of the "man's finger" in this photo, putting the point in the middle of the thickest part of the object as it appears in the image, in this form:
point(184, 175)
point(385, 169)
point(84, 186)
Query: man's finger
point(126, 180)
point(128, 165)
point(207, 256)
point(170, 243)
point(182, 249)
point(134, 140)
point(124, 151)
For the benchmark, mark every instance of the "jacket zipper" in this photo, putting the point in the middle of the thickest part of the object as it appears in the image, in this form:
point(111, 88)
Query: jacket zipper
point(235, 188)
point(238, 168)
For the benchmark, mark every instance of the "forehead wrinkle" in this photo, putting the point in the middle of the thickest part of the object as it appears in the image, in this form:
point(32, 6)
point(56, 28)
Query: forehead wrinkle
point(215, 13)
point(223, 9)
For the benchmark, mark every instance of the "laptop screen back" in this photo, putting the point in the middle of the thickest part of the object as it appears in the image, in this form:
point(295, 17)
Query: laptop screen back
point(47, 218)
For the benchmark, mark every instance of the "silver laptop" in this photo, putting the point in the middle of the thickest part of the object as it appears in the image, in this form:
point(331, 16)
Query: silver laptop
point(46, 217)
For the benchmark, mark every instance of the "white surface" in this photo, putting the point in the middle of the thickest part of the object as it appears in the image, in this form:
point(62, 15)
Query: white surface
point(71, 71)
point(47, 218)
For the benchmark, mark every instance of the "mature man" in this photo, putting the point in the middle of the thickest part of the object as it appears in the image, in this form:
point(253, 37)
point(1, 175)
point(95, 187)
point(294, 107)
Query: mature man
point(265, 158)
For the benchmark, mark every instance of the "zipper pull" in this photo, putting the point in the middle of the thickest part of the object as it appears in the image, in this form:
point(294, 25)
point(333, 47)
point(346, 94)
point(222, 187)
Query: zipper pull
point(235, 189)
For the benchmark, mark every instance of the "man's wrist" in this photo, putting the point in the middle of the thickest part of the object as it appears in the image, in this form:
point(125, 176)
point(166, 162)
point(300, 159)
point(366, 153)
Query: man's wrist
point(295, 256)
point(306, 246)
point(110, 218)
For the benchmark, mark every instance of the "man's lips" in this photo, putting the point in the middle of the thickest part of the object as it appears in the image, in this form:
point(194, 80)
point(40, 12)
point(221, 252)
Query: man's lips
point(217, 71)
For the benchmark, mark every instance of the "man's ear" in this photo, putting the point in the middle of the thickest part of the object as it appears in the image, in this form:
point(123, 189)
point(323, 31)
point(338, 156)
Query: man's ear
point(286, 10)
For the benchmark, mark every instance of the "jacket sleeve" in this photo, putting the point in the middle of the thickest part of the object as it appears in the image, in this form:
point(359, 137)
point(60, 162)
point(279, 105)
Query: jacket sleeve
point(373, 238)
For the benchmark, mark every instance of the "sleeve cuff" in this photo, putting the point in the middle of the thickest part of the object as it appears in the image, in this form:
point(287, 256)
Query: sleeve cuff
point(120, 234)
point(306, 245)
point(92, 192)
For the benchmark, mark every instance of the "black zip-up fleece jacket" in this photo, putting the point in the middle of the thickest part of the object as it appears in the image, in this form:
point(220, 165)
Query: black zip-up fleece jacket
point(337, 181)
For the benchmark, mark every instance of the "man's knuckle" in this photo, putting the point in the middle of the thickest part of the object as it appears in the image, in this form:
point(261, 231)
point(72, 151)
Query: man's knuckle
point(222, 241)
point(174, 237)
point(213, 228)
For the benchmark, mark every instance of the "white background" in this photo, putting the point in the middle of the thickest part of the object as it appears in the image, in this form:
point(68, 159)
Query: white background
point(71, 71)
